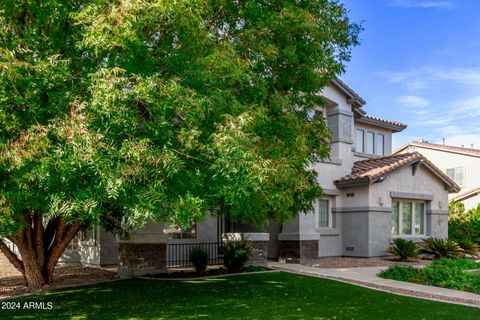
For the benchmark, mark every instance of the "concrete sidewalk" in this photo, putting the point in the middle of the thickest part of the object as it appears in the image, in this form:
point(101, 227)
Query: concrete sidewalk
point(367, 277)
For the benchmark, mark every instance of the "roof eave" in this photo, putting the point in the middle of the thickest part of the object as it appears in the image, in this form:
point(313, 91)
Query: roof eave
point(352, 183)
point(390, 126)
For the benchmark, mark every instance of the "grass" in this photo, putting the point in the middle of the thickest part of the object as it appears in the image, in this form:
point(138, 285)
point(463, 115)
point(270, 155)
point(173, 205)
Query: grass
point(447, 273)
point(254, 296)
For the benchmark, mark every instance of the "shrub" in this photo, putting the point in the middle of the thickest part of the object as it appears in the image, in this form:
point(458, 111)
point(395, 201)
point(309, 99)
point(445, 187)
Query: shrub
point(440, 248)
point(235, 254)
point(199, 259)
point(463, 225)
point(403, 249)
point(469, 247)
point(446, 273)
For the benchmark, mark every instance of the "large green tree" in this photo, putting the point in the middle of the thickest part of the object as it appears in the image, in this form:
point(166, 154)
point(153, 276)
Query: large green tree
point(117, 112)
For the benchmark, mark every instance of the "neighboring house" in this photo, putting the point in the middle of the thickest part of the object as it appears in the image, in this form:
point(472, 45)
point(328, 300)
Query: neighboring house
point(460, 164)
point(370, 197)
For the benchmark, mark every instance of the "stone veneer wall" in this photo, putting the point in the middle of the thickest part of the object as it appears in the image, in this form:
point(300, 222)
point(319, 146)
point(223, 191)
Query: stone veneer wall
point(259, 254)
point(298, 251)
point(136, 259)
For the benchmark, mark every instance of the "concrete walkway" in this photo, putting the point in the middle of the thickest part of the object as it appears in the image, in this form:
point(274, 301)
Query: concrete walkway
point(367, 277)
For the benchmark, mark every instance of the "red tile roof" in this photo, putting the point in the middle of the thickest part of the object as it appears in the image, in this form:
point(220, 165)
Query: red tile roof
point(342, 85)
point(466, 151)
point(395, 123)
point(371, 170)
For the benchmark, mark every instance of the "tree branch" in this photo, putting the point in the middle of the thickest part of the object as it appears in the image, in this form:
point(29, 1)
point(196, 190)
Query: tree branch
point(12, 257)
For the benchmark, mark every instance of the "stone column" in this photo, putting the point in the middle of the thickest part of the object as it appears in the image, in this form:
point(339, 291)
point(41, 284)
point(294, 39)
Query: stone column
point(144, 253)
point(298, 248)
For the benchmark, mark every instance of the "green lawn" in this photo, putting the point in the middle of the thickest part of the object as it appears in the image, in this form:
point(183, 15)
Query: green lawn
point(254, 296)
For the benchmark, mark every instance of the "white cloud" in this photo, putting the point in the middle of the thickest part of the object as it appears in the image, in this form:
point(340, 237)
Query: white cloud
point(413, 101)
point(426, 77)
point(422, 4)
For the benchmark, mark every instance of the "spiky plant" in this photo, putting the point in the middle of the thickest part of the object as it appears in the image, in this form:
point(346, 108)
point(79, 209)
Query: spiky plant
point(403, 249)
point(440, 248)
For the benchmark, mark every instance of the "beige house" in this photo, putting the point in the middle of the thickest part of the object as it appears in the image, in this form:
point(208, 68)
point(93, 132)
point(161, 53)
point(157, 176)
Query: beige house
point(460, 164)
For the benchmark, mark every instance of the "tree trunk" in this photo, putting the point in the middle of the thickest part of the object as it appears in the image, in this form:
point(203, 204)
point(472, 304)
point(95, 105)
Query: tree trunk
point(40, 248)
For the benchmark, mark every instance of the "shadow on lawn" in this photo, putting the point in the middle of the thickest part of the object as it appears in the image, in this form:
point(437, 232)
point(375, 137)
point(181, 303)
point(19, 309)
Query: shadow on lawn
point(256, 296)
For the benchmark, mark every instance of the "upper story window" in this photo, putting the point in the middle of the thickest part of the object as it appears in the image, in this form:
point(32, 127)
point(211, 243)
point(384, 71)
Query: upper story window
point(380, 145)
point(359, 140)
point(457, 175)
point(370, 141)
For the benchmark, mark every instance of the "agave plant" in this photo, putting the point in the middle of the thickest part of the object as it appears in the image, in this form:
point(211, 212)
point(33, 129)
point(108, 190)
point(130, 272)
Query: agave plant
point(440, 248)
point(403, 249)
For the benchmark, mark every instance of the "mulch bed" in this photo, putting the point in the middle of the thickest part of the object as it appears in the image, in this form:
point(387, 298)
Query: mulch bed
point(346, 262)
point(11, 281)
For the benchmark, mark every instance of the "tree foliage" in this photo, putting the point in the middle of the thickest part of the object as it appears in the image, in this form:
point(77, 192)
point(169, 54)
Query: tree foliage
point(116, 112)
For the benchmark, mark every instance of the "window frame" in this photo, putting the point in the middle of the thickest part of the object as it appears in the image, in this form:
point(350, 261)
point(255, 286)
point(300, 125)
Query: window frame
point(414, 203)
point(330, 215)
point(356, 140)
point(383, 144)
point(367, 145)
point(463, 170)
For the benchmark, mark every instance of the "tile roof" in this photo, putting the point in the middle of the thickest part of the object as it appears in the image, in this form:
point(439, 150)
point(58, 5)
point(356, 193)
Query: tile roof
point(468, 194)
point(371, 170)
point(342, 85)
point(395, 123)
point(466, 151)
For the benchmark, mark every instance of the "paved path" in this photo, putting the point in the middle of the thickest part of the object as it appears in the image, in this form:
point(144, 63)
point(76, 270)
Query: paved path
point(367, 276)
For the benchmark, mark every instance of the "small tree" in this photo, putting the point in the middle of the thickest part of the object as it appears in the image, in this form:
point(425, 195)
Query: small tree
point(117, 112)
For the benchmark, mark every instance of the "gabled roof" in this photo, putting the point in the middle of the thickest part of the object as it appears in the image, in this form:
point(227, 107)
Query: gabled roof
point(441, 147)
point(468, 194)
point(395, 126)
point(348, 91)
point(374, 170)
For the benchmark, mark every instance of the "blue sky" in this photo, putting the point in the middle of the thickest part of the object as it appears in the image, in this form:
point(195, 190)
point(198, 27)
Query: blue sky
point(419, 63)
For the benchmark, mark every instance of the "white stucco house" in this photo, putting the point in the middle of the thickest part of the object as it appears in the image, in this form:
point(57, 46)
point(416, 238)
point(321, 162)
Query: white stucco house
point(370, 197)
point(461, 164)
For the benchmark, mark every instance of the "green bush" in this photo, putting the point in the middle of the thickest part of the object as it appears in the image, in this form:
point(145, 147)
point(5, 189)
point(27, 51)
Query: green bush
point(403, 249)
point(235, 254)
point(440, 248)
point(199, 259)
point(463, 225)
point(445, 273)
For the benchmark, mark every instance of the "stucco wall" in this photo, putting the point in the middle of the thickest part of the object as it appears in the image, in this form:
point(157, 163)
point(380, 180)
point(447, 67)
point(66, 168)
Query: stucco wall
point(445, 160)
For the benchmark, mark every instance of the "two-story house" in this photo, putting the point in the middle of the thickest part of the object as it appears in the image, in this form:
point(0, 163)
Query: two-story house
point(370, 197)
point(461, 164)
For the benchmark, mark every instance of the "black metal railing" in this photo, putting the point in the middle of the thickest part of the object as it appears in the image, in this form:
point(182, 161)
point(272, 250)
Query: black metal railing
point(11, 246)
point(178, 254)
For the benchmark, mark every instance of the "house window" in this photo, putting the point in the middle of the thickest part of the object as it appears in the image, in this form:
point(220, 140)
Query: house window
point(408, 218)
point(325, 218)
point(457, 175)
point(370, 140)
point(175, 232)
point(380, 145)
point(359, 140)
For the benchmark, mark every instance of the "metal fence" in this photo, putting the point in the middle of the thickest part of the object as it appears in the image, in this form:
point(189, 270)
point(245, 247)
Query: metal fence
point(178, 254)
point(11, 246)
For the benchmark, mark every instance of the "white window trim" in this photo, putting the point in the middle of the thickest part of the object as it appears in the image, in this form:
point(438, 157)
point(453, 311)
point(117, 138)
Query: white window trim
point(383, 144)
point(400, 219)
point(366, 142)
point(363, 140)
point(317, 214)
point(463, 169)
